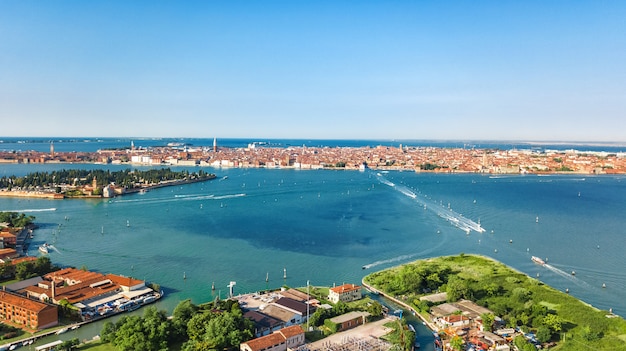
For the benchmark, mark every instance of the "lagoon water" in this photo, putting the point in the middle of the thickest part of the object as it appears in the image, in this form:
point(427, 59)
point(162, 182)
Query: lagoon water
point(325, 226)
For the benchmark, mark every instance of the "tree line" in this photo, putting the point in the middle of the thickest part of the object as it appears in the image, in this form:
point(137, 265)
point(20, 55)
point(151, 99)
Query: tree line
point(219, 325)
point(16, 220)
point(28, 269)
point(81, 177)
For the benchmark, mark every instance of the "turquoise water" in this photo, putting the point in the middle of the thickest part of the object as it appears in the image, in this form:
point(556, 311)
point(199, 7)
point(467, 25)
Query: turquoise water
point(324, 226)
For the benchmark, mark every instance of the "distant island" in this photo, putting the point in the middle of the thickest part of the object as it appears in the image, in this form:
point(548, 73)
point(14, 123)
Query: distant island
point(80, 183)
point(402, 157)
point(476, 300)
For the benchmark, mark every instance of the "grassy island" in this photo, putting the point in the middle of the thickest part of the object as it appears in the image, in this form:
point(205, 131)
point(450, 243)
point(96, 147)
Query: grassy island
point(536, 312)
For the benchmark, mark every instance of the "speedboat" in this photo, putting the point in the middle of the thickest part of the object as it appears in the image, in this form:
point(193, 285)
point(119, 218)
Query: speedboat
point(44, 248)
point(538, 260)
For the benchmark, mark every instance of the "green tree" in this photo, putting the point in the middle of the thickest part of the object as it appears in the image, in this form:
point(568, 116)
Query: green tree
point(156, 326)
point(181, 316)
point(488, 320)
point(521, 294)
point(553, 322)
point(7, 270)
point(43, 265)
point(24, 270)
point(588, 334)
point(129, 335)
point(340, 308)
point(134, 333)
point(456, 343)
point(71, 344)
point(108, 332)
point(332, 327)
point(318, 317)
point(375, 309)
point(457, 288)
point(196, 327)
point(218, 331)
point(543, 334)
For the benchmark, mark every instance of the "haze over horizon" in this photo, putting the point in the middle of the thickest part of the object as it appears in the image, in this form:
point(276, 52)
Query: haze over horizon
point(527, 71)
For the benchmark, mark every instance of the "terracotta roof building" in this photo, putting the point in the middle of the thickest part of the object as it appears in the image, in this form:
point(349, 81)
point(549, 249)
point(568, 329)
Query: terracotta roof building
point(281, 340)
point(344, 293)
point(25, 313)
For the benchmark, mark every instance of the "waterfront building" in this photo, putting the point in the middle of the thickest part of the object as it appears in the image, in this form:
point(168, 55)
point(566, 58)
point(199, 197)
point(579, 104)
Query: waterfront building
point(345, 293)
point(26, 313)
point(282, 340)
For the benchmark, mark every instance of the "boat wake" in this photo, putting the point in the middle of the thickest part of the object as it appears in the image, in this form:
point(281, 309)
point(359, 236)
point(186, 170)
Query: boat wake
point(406, 257)
point(228, 196)
point(391, 260)
point(192, 197)
point(35, 210)
point(51, 247)
point(454, 218)
point(567, 276)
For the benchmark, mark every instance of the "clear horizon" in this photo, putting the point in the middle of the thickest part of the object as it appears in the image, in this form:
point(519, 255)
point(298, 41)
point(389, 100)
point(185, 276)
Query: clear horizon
point(520, 141)
point(530, 71)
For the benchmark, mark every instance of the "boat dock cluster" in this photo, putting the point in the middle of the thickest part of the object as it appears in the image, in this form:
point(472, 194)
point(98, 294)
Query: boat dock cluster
point(119, 303)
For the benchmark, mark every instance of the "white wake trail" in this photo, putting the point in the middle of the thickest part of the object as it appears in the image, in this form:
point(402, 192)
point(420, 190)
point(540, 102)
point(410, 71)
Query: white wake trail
point(454, 218)
point(34, 210)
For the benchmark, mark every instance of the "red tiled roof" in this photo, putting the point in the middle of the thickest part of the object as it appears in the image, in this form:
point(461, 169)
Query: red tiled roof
point(265, 341)
point(19, 301)
point(345, 288)
point(23, 259)
point(291, 331)
point(123, 281)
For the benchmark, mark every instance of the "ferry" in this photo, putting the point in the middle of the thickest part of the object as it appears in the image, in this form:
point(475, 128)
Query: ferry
point(538, 260)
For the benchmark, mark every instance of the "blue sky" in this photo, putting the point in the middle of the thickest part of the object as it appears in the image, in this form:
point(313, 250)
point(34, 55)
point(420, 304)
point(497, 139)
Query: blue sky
point(488, 70)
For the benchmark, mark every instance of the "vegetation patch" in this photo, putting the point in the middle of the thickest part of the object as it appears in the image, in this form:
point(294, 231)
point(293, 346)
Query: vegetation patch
point(521, 301)
point(550, 306)
point(400, 336)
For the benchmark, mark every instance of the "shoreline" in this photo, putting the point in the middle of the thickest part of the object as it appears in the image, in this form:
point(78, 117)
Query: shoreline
point(60, 196)
point(347, 167)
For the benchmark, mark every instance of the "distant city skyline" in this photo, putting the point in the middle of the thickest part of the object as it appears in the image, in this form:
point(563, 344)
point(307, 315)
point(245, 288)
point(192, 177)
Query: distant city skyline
point(404, 70)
